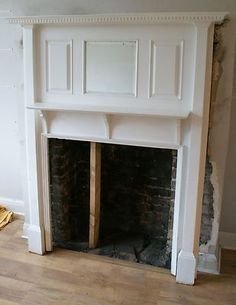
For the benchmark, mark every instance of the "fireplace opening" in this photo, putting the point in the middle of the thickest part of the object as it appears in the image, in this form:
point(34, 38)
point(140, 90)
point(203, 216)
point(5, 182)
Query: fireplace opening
point(69, 189)
point(137, 190)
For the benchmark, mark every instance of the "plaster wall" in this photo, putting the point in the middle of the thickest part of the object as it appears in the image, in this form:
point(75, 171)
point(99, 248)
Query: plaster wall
point(11, 135)
point(11, 115)
point(228, 223)
point(222, 116)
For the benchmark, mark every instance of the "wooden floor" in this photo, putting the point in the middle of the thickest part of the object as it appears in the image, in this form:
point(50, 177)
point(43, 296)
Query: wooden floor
point(71, 278)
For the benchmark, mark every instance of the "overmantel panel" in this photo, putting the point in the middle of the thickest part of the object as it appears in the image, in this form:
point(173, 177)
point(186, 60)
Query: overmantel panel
point(151, 66)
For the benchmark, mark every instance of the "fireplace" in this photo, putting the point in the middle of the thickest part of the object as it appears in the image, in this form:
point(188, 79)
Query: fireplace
point(127, 80)
point(137, 200)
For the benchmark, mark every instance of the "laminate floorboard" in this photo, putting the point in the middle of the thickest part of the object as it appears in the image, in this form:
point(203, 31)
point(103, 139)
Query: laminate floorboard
point(66, 277)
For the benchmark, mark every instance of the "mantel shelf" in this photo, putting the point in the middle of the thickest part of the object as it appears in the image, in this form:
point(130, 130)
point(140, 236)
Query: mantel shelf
point(129, 18)
point(115, 110)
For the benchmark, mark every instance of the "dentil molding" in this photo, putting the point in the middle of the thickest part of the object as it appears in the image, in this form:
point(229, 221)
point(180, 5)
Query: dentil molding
point(134, 18)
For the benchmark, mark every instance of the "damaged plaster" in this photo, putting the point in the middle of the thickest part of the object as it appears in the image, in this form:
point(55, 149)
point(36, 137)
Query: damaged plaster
point(211, 197)
point(217, 150)
point(209, 239)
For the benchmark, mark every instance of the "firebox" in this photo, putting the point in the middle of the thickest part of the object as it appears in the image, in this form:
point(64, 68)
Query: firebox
point(137, 191)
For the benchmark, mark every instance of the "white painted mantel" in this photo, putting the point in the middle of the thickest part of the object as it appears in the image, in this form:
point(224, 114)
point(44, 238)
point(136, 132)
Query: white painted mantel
point(156, 96)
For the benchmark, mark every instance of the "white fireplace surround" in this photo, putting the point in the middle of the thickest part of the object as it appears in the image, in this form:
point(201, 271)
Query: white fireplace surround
point(136, 79)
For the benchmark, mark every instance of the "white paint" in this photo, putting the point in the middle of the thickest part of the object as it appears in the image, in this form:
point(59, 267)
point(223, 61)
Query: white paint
point(110, 67)
point(195, 159)
point(59, 66)
point(15, 205)
point(228, 223)
point(132, 109)
point(51, 7)
point(227, 240)
point(123, 127)
point(167, 57)
point(107, 118)
point(141, 128)
point(121, 18)
point(35, 229)
point(186, 267)
point(137, 86)
point(11, 141)
point(219, 133)
point(25, 228)
point(224, 120)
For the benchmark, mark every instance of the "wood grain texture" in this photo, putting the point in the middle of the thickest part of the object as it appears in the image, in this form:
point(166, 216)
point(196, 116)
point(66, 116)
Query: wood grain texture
point(71, 278)
point(95, 181)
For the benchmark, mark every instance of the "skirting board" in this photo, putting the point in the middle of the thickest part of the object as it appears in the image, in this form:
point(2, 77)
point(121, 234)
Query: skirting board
point(14, 205)
point(227, 240)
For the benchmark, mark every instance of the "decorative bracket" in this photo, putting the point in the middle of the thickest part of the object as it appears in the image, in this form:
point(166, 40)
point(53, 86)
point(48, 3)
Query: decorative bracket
point(43, 118)
point(107, 121)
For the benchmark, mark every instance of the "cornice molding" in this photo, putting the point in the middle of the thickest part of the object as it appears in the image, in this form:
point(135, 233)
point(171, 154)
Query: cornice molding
point(122, 19)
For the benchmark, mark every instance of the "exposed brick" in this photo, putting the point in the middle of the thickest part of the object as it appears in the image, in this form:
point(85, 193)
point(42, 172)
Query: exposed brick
point(137, 195)
point(136, 191)
point(207, 206)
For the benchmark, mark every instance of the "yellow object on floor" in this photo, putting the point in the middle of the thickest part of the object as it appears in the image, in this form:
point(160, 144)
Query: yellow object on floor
point(5, 216)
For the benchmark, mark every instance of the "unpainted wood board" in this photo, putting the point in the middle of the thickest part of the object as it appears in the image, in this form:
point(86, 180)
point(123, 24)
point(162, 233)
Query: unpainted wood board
point(95, 190)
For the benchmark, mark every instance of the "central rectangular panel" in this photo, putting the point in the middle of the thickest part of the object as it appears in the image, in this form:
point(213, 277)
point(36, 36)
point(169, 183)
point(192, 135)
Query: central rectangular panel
point(110, 67)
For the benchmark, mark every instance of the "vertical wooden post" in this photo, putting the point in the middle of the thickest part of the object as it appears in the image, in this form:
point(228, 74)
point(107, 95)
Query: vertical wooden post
point(95, 177)
point(195, 156)
point(35, 231)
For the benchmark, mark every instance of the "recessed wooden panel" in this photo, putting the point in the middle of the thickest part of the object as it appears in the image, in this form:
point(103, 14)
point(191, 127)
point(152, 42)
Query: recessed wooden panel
point(110, 67)
point(59, 66)
point(166, 63)
point(162, 132)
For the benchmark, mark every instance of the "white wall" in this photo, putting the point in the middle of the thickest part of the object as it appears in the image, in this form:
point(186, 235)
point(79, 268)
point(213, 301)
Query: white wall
point(36, 7)
point(10, 102)
point(219, 136)
point(228, 218)
point(10, 116)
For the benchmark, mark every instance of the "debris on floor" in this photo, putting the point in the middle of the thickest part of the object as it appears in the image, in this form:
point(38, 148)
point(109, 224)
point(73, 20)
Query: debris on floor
point(5, 216)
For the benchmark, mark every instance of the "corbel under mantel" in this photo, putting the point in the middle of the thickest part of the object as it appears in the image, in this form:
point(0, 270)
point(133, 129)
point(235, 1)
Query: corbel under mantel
point(180, 119)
